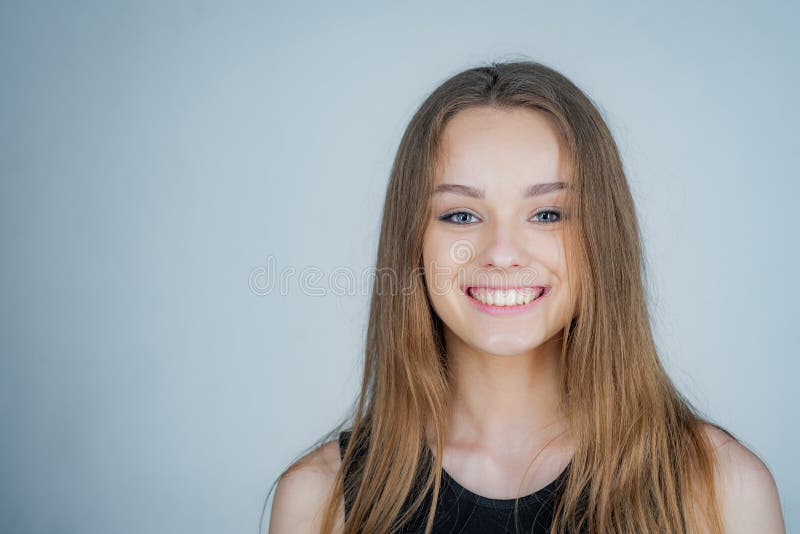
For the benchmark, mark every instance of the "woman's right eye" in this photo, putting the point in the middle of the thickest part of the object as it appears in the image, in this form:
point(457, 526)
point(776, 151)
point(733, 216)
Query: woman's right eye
point(457, 217)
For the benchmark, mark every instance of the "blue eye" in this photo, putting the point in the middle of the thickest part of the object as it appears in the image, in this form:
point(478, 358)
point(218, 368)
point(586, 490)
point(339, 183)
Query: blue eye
point(449, 217)
point(550, 221)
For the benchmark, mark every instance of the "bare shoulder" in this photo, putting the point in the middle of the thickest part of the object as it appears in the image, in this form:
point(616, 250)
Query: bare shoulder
point(748, 496)
point(302, 492)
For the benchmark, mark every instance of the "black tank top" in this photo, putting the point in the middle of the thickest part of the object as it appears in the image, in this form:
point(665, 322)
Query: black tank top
point(461, 511)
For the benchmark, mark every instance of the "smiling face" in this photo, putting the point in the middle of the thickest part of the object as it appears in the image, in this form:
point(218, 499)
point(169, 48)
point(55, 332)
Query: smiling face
point(497, 221)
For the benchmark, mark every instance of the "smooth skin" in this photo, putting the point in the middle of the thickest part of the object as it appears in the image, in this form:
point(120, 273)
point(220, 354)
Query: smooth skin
point(505, 405)
point(504, 368)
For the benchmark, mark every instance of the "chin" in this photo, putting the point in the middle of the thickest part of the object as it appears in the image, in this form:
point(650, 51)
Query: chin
point(507, 346)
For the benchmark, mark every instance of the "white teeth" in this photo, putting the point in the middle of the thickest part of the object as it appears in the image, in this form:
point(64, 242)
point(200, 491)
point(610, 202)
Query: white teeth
point(510, 297)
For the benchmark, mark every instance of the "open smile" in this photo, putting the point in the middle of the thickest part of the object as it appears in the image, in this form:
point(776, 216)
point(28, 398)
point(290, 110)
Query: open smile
point(504, 302)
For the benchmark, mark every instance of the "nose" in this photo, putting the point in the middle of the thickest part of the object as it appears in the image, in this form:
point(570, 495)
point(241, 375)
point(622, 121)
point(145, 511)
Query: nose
point(503, 247)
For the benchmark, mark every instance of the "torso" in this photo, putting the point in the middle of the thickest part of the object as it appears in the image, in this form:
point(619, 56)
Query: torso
point(502, 478)
point(491, 509)
point(465, 509)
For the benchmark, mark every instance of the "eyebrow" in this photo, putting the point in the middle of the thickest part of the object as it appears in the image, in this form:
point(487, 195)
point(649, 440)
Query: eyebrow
point(473, 192)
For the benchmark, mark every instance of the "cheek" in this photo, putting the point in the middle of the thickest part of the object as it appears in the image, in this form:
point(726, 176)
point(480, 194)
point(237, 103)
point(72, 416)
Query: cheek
point(429, 260)
point(551, 254)
point(552, 249)
point(557, 264)
point(441, 272)
point(435, 252)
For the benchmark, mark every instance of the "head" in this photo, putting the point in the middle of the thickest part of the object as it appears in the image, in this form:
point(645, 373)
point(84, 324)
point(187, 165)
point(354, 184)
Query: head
point(497, 222)
point(501, 134)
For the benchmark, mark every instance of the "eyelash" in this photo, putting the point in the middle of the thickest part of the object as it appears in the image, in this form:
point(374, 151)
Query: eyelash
point(447, 216)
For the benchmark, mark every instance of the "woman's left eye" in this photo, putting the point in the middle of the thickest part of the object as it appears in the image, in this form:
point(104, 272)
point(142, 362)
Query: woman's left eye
point(552, 213)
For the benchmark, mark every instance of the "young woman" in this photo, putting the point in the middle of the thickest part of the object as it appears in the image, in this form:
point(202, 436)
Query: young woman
point(511, 380)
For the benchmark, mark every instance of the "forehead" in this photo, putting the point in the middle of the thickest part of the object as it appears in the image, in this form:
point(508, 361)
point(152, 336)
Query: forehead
point(487, 145)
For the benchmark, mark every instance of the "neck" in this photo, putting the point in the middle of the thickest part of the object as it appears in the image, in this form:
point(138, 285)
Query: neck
point(504, 403)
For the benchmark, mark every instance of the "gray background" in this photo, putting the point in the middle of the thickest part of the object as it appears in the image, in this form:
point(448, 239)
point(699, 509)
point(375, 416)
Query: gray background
point(156, 157)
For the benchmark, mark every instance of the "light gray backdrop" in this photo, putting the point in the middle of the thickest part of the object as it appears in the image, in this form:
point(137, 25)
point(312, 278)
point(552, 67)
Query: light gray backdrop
point(158, 157)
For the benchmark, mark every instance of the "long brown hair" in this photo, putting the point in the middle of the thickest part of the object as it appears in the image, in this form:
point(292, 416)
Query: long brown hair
point(642, 461)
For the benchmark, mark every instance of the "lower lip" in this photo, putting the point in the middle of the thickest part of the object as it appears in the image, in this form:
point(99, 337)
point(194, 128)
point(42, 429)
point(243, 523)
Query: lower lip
point(504, 311)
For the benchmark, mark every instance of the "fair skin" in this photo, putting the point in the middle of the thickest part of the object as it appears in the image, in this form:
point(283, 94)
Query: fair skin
point(505, 404)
